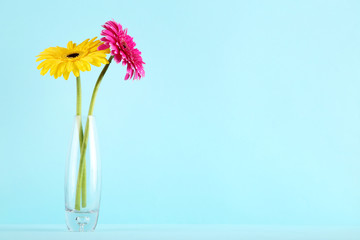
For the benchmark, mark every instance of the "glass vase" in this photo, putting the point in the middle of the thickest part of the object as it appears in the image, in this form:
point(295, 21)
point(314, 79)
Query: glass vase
point(83, 177)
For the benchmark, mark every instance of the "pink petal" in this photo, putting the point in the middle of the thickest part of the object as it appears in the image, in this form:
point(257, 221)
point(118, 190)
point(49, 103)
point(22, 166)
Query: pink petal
point(117, 58)
point(103, 46)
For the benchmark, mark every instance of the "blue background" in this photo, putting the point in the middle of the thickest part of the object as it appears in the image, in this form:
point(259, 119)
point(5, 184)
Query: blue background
point(249, 112)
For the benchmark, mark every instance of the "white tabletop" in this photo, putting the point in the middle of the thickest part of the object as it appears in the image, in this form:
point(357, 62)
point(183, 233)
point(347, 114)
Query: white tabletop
point(183, 232)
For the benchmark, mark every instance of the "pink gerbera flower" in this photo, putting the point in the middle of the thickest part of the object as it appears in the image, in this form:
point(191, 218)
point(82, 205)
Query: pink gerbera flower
point(123, 49)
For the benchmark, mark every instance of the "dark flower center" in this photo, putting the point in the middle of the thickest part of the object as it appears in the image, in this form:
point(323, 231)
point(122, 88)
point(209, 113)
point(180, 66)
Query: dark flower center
point(73, 55)
point(123, 43)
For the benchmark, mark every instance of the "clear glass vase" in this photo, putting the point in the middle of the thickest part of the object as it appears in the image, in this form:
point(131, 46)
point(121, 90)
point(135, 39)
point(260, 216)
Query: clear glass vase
point(83, 177)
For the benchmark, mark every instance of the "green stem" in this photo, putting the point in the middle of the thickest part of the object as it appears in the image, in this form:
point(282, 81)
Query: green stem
point(78, 113)
point(80, 178)
point(96, 88)
point(78, 96)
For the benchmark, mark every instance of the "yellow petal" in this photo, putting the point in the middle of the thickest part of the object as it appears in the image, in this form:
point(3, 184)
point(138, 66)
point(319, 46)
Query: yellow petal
point(60, 69)
point(53, 69)
point(80, 66)
point(94, 44)
point(69, 66)
point(41, 65)
point(66, 75)
point(44, 70)
point(84, 43)
point(96, 63)
point(46, 65)
point(86, 65)
point(71, 45)
point(76, 70)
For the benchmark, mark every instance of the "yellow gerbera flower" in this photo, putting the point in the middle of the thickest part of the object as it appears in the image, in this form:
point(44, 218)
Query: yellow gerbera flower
point(75, 58)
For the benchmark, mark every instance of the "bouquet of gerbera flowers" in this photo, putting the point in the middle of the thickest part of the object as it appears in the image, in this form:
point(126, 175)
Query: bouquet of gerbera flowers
point(79, 57)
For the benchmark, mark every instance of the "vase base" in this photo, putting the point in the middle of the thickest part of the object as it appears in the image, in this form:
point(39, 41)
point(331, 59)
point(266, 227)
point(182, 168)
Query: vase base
point(81, 221)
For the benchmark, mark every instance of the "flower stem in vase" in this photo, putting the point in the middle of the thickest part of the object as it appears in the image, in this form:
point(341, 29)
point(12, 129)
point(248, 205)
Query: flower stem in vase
point(81, 136)
point(82, 166)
